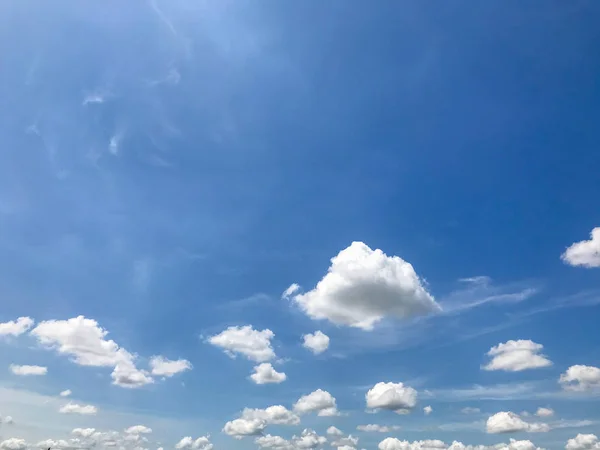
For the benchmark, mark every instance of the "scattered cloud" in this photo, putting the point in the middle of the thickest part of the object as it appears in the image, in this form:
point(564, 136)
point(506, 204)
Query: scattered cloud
point(138, 429)
point(240, 428)
point(13, 444)
point(273, 415)
point(583, 442)
point(83, 432)
point(317, 342)
point(65, 393)
point(427, 410)
point(393, 396)
point(515, 356)
point(319, 401)
point(201, 443)
point(374, 428)
point(265, 373)
point(28, 370)
point(161, 366)
point(291, 290)
point(580, 378)
point(333, 431)
point(544, 412)
point(16, 327)
point(397, 444)
point(584, 253)
point(308, 439)
point(348, 441)
point(8, 420)
point(509, 422)
point(253, 344)
point(362, 286)
point(74, 408)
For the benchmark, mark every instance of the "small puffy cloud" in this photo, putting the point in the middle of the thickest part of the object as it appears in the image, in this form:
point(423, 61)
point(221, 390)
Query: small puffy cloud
point(393, 396)
point(544, 412)
point(580, 378)
point(319, 401)
point(126, 375)
point(16, 327)
point(163, 367)
point(28, 370)
point(239, 428)
point(138, 429)
point(308, 439)
point(65, 393)
point(265, 373)
point(470, 410)
point(584, 253)
point(515, 356)
point(8, 420)
point(13, 444)
point(74, 408)
point(317, 342)
point(348, 441)
point(427, 410)
point(83, 432)
point(362, 286)
point(583, 442)
point(253, 344)
point(374, 428)
point(397, 444)
point(294, 287)
point(333, 431)
point(201, 443)
point(509, 422)
point(273, 442)
point(273, 415)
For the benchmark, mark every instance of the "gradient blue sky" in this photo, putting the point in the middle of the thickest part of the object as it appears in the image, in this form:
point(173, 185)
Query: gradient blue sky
point(169, 168)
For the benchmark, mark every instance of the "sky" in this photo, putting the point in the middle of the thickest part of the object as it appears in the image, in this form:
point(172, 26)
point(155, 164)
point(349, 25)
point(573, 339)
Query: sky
point(299, 225)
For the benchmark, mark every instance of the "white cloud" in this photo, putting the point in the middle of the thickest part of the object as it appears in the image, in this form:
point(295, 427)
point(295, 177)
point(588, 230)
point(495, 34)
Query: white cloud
point(28, 370)
point(253, 344)
point(84, 340)
point(65, 393)
point(515, 356)
point(83, 432)
point(317, 342)
point(397, 444)
point(427, 410)
point(13, 444)
point(74, 408)
point(161, 366)
point(580, 378)
point(294, 287)
point(583, 442)
point(393, 396)
point(308, 439)
point(317, 401)
point(138, 429)
point(239, 428)
point(470, 410)
point(273, 442)
point(363, 286)
point(16, 328)
point(8, 420)
point(273, 415)
point(584, 253)
point(51, 443)
point(544, 412)
point(374, 428)
point(265, 373)
point(202, 443)
point(509, 422)
point(348, 441)
point(333, 431)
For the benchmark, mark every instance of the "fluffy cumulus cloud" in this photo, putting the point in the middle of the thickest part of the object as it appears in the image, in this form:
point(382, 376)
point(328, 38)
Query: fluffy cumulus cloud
point(307, 440)
point(363, 286)
point(427, 410)
point(163, 367)
point(584, 253)
point(515, 356)
point(273, 415)
point(273, 442)
point(580, 378)
point(319, 401)
point(201, 443)
point(28, 370)
point(374, 428)
point(509, 422)
point(65, 393)
point(13, 444)
point(74, 408)
point(393, 396)
point(16, 327)
point(253, 344)
point(239, 428)
point(317, 342)
point(397, 444)
point(348, 441)
point(583, 442)
point(333, 431)
point(265, 373)
point(544, 412)
point(85, 342)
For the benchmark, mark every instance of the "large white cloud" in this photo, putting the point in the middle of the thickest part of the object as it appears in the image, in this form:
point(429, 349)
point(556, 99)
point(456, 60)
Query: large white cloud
point(13, 444)
point(362, 286)
point(509, 422)
point(201, 443)
point(515, 356)
point(253, 344)
point(319, 401)
point(163, 367)
point(74, 408)
point(580, 378)
point(239, 428)
point(393, 396)
point(584, 253)
point(265, 374)
point(317, 342)
point(16, 328)
point(273, 415)
point(397, 444)
point(583, 442)
point(374, 428)
point(28, 370)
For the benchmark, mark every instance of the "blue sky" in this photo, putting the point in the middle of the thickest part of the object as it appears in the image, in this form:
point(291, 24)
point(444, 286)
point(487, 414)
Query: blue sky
point(169, 169)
